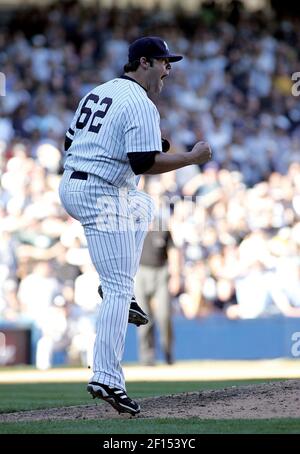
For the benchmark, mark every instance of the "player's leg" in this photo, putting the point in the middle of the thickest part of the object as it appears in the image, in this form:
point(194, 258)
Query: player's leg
point(141, 208)
point(112, 251)
point(112, 254)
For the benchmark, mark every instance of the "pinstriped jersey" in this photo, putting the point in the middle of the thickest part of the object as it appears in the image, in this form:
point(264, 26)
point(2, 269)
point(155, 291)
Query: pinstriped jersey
point(112, 120)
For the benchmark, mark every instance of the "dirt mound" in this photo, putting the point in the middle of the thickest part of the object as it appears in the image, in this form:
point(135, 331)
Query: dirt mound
point(270, 400)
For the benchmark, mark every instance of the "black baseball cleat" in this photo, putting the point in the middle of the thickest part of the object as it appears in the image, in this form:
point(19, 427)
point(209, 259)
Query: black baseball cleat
point(116, 397)
point(136, 315)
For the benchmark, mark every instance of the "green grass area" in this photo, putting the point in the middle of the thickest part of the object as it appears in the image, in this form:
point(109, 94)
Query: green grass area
point(17, 397)
point(157, 426)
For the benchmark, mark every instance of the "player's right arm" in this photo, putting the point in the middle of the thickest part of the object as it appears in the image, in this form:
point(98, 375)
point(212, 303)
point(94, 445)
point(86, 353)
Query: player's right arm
point(143, 143)
point(165, 162)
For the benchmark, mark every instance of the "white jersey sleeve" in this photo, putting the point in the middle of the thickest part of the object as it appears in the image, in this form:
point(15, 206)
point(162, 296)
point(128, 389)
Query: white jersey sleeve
point(142, 127)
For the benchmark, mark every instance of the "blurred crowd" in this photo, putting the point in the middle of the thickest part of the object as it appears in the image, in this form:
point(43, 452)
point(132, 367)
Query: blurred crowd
point(236, 221)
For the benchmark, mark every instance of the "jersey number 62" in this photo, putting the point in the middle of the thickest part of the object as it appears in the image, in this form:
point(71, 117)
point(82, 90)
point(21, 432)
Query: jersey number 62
point(86, 113)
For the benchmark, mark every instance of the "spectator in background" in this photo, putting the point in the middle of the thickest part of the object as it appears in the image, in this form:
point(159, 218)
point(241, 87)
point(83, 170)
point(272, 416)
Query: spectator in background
point(9, 303)
point(259, 295)
point(86, 298)
point(38, 293)
point(192, 301)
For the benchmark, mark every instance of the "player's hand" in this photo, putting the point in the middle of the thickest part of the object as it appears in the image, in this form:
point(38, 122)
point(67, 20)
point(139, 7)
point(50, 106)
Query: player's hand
point(201, 153)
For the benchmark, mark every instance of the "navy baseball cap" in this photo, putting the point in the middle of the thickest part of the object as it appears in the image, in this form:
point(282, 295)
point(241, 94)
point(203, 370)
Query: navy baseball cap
point(151, 47)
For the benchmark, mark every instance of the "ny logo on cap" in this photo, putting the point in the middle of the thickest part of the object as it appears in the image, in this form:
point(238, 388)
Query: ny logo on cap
point(166, 46)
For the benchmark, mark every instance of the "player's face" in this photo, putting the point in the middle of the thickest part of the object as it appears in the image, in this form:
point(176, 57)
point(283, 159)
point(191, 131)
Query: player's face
point(159, 70)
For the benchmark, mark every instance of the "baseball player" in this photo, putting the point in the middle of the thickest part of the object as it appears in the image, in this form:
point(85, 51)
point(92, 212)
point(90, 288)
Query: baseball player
point(115, 137)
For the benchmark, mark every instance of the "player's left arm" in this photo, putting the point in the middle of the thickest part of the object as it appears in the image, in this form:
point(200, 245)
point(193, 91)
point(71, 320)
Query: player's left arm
point(72, 129)
point(69, 138)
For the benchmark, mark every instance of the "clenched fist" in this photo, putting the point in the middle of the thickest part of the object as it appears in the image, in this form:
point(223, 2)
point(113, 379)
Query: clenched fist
point(201, 153)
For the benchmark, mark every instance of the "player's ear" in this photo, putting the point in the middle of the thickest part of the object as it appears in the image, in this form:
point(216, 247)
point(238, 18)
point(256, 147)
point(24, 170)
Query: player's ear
point(144, 63)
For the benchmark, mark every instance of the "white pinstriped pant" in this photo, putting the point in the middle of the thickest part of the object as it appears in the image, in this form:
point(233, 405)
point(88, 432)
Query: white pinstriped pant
point(115, 223)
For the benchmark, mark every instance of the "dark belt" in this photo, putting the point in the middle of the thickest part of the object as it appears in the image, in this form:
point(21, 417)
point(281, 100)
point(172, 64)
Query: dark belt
point(79, 175)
